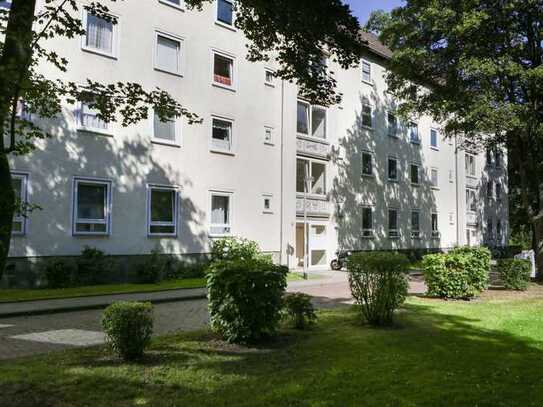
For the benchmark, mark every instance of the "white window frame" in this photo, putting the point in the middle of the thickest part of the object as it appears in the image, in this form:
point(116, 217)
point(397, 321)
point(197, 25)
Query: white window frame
point(372, 126)
point(368, 233)
point(174, 223)
point(220, 23)
point(310, 121)
point(178, 132)
point(230, 196)
point(393, 233)
point(470, 164)
point(115, 35)
point(498, 191)
point(435, 185)
point(410, 126)
point(81, 127)
point(436, 146)
point(23, 176)
point(367, 80)
point(372, 157)
point(393, 158)
point(107, 206)
point(309, 162)
point(269, 210)
point(266, 82)
point(436, 234)
point(272, 135)
point(419, 172)
point(415, 233)
point(391, 134)
point(470, 192)
point(234, 73)
point(215, 149)
point(180, 58)
point(180, 6)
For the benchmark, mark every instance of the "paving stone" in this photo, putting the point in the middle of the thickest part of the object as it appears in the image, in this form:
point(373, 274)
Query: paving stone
point(73, 337)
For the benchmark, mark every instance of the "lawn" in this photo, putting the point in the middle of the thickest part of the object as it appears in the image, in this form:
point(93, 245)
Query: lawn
point(13, 295)
point(487, 353)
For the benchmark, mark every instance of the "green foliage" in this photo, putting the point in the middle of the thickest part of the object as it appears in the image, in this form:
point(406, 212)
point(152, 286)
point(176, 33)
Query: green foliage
point(245, 298)
point(299, 310)
point(93, 267)
point(522, 237)
point(515, 273)
point(59, 273)
point(234, 248)
point(185, 270)
point(378, 282)
point(128, 327)
point(462, 273)
point(154, 268)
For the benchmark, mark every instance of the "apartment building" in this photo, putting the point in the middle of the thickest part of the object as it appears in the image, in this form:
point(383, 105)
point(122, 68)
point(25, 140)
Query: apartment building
point(264, 164)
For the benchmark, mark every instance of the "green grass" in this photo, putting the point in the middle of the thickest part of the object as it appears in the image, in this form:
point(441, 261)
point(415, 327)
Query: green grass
point(14, 295)
point(485, 353)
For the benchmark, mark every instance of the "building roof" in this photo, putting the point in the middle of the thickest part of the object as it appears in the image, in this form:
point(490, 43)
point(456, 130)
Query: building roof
point(376, 46)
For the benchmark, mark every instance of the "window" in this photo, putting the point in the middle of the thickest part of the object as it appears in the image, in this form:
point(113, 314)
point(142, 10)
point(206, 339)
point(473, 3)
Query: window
point(162, 211)
point(367, 164)
point(488, 157)
point(221, 136)
point(392, 122)
point(451, 218)
point(366, 71)
point(6, 4)
point(434, 178)
point(367, 116)
point(489, 190)
point(414, 174)
point(415, 224)
point(499, 231)
point(269, 77)
point(470, 164)
point(367, 221)
point(435, 226)
point(471, 200)
point(89, 120)
point(168, 54)
point(20, 186)
point(433, 139)
point(165, 131)
point(393, 223)
point(499, 158)
point(316, 171)
point(490, 229)
point(267, 200)
point(392, 169)
point(173, 3)
point(225, 12)
point(223, 70)
point(414, 133)
point(268, 135)
point(451, 176)
point(498, 192)
point(92, 207)
point(311, 115)
point(220, 214)
point(100, 35)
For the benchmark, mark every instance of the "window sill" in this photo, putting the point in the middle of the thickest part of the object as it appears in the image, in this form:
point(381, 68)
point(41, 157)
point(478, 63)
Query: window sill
point(225, 87)
point(267, 143)
point(223, 152)
point(90, 234)
point(269, 85)
point(300, 195)
point(414, 184)
point(218, 236)
point(368, 83)
point(98, 132)
point(311, 138)
point(434, 148)
point(267, 212)
point(435, 188)
point(415, 143)
point(166, 3)
point(165, 143)
point(166, 71)
point(98, 52)
point(393, 181)
point(226, 25)
point(372, 176)
point(393, 136)
point(368, 237)
point(161, 235)
point(369, 128)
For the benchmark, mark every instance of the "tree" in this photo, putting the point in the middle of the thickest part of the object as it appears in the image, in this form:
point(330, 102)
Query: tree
point(298, 34)
point(476, 65)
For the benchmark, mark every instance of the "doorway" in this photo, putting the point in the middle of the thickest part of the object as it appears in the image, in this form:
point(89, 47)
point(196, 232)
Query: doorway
point(316, 247)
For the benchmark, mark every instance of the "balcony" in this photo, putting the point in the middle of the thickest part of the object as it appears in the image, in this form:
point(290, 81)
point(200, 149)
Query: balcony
point(315, 206)
point(472, 182)
point(471, 218)
point(312, 147)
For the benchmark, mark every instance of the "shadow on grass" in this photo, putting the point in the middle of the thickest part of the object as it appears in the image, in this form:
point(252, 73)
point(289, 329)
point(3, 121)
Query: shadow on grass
point(444, 354)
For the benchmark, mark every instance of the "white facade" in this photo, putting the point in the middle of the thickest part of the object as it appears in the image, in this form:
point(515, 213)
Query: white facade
point(236, 173)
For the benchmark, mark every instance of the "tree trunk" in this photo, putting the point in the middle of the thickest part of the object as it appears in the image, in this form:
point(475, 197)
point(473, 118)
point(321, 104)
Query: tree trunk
point(15, 60)
point(538, 233)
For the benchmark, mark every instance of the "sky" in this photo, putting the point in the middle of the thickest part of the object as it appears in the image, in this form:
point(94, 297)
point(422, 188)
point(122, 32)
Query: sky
point(363, 8)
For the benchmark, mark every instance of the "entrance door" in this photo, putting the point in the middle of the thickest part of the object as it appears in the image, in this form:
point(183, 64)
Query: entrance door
point(300, 245)
point(317, 247)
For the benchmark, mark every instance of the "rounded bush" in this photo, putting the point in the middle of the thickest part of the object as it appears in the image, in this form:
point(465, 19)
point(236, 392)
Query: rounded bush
point(460, 274)
point(234, 248)
point(379, 285)
point(515, 273)
point(299, 310)
point(58, 273)
point(128, 327)
point(245, 298)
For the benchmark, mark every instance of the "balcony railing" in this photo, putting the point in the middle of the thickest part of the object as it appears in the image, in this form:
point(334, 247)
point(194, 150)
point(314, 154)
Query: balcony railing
point(314, 206)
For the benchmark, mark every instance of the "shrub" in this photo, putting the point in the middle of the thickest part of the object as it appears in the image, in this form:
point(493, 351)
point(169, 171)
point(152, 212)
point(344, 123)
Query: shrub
point(299, 309)
point(461, 274)
point(245, 298)
point(128, 327)
point(515, 273)
point(184, 270)
point(154, 268)
point(59, 273)
point(93, 267)
point(234, 248)
point(378, 282)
